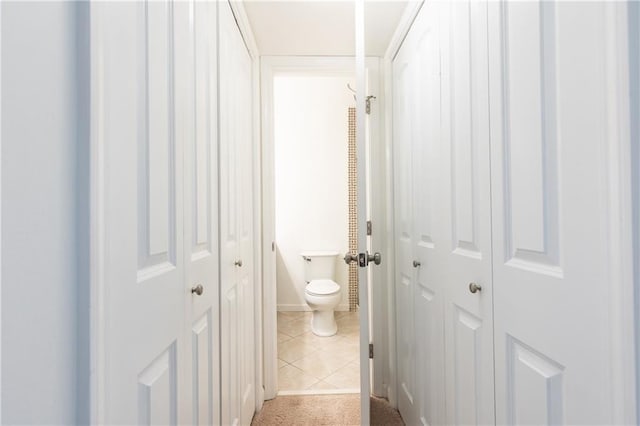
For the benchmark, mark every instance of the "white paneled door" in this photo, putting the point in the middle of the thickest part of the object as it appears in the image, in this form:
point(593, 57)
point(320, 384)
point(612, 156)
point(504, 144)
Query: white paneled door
point(464, 179)
point(199, 81)
point(139, 131)
point(420, 235)
point(156, 351)
point(236, 224)
point(555, 285)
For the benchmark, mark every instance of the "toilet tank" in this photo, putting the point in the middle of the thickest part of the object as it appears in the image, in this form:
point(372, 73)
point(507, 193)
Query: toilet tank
point(319, 265)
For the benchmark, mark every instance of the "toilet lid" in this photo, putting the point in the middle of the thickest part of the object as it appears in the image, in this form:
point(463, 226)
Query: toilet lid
point(322, 287)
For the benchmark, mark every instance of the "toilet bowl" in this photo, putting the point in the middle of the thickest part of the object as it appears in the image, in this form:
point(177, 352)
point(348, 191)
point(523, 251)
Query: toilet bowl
point(323, 296)
point(321, 292)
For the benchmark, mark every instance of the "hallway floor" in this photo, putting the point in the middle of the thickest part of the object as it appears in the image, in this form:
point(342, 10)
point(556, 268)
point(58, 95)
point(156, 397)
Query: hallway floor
point(307, 362)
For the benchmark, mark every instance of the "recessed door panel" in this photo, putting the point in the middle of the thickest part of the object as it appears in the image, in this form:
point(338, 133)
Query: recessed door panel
point(467, 352)
point(530, 139)
point(157, 391)
point(535, 386)
point(156, 147)
point(202, 375)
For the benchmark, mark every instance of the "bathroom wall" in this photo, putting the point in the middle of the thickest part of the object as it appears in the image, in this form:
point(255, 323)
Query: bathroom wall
point(311, 159)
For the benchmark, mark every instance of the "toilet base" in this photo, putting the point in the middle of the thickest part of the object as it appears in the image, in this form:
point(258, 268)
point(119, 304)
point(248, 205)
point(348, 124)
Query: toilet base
point(323, 323)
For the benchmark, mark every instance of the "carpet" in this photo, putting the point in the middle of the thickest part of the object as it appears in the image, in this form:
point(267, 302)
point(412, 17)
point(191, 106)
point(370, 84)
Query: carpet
point(329, 410)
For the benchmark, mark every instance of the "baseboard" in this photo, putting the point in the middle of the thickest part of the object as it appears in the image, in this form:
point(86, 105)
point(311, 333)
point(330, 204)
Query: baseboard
point(318, 392)
point(305, 308)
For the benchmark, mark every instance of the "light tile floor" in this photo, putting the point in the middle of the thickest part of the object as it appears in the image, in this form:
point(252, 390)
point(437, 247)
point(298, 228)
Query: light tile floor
point(309, 362)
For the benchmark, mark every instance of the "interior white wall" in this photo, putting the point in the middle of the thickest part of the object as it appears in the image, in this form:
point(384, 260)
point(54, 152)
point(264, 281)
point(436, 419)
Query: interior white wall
point(39, 190)
point(311, 178)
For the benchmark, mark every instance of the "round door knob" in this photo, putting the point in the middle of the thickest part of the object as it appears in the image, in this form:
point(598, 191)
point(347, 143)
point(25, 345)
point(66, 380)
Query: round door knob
point(238, 263)
point(197, 290)
point(474, 288)
point(416, 263)
point(348, 258)
point(375, 258)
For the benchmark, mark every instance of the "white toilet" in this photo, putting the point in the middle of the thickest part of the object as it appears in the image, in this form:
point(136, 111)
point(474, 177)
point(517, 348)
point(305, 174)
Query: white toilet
point(322, 293)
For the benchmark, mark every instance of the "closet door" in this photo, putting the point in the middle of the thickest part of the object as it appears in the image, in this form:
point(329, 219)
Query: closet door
point(403, 70)
point(236, 216)
point(419, 283)
point(197, 76)
point(556, 271)
point(138, 186)
point(465, 180)
point(429, 236)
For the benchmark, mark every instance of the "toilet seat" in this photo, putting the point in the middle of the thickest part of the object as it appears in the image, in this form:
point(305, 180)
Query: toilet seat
point(322, 288)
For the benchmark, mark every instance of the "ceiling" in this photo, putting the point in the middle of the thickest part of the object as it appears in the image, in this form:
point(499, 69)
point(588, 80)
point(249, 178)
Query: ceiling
point(321, 27)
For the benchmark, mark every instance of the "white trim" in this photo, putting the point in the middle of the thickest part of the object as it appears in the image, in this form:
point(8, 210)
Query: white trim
point(633, 10)
point(97, 222)
point(0, 212)
point(319, 392)
point(296, 307)
point(620, 250)
point(240, 14)
point(267, 210)
point(406, 21)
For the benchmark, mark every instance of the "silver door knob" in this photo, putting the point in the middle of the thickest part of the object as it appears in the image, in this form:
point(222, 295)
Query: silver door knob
point(348, 258)
point(238, 263)
point(375, 258)
point(474, 288)
point(416, 263)
point(197, 290)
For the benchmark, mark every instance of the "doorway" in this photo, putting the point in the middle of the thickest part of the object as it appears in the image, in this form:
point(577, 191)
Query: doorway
point(282, 260)
point(314, 210)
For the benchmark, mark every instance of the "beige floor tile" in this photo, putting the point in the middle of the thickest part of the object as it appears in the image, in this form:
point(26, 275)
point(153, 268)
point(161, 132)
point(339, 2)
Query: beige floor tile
point(321, 364)
point(283, 337)
point(292, 378)
point(284, 316)
point(294, 349)
point(340, 314)
point(321, 385)
point(281, 363)
point(318, 341)
point(295, 327)
point(348, 377)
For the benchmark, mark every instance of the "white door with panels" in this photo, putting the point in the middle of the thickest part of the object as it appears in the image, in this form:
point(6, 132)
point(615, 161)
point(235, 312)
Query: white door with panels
point(141, 54)
point(526, 227)
point(155, 341)
point(236, 224)
point(419, 233)
point(199, 81)
point(555, 269)
point(464, 179)
point(429, 234)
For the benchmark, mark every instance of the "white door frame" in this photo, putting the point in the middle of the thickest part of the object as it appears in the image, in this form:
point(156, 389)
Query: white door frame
point(313, 65)
point(634, 70)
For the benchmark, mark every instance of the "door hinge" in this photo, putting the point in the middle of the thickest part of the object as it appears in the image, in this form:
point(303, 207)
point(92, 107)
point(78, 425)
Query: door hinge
point(273, 246)
point(370, 350)
point(369, 227)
